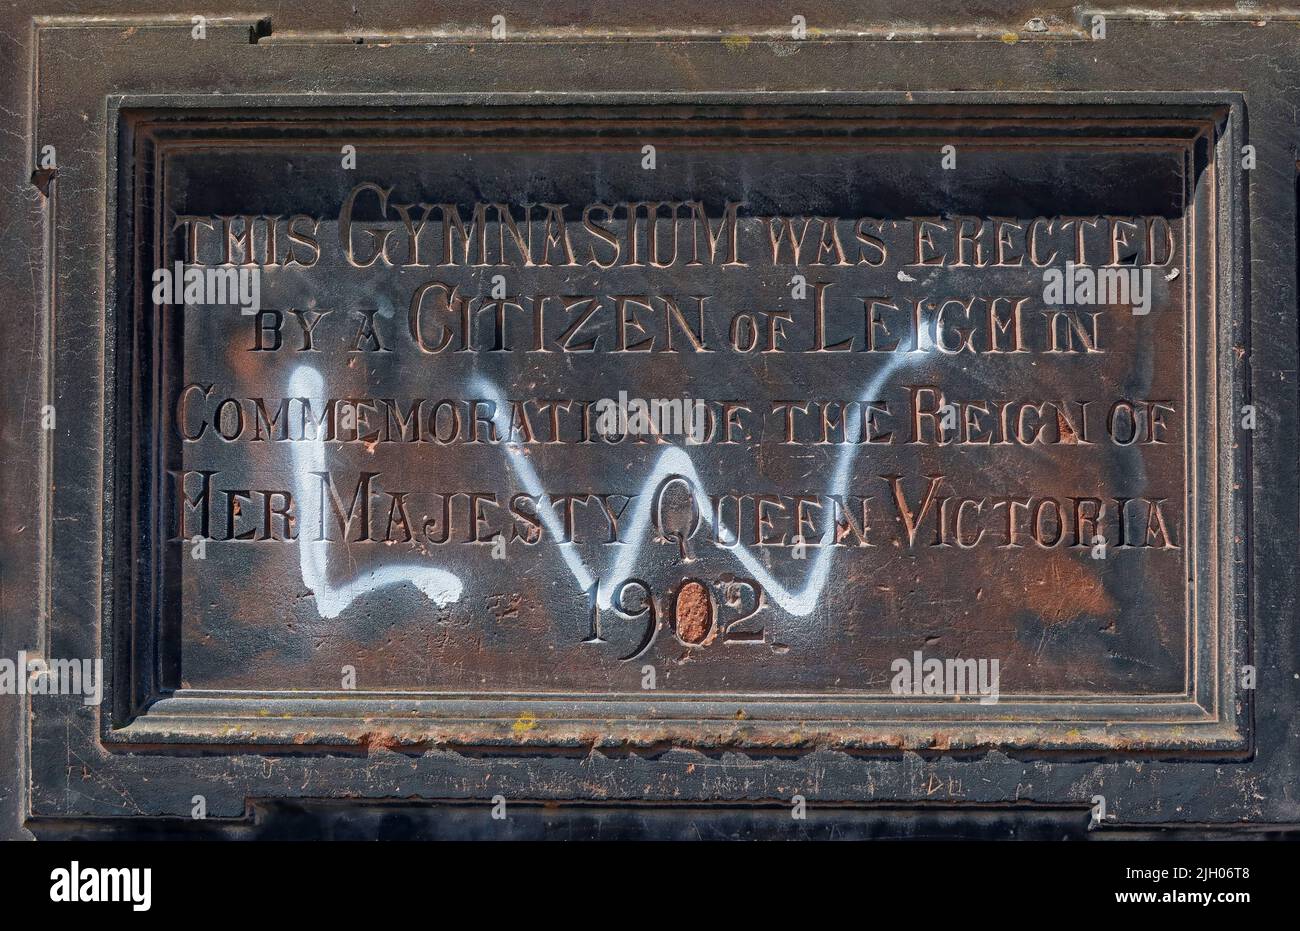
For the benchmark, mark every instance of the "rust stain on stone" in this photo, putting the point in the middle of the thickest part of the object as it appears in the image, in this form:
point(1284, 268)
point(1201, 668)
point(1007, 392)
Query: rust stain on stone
point(1068, 436)
point(693, 610)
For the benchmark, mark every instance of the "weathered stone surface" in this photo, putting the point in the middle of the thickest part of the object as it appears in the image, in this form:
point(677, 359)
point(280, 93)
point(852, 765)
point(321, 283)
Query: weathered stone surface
point(369, 525)
point(490, 406)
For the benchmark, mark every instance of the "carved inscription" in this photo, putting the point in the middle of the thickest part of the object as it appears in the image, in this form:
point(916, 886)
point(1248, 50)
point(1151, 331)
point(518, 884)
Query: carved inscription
point(762, 417)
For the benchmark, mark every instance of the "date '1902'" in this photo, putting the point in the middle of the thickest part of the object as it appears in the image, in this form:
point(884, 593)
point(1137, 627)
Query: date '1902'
point(693, 613)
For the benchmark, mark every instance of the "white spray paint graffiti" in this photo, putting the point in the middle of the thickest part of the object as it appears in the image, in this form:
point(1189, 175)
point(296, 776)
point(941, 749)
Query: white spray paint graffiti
point(443, 587)
point(440, 586)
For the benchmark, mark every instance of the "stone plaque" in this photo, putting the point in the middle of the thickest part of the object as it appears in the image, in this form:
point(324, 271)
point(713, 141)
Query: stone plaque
point(797, 424)
point(693, 413)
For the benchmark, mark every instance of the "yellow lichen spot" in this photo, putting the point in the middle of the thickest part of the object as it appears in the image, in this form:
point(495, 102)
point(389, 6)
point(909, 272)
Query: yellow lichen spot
point(1010, 38)
point(736, 43)
point(524, 724)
